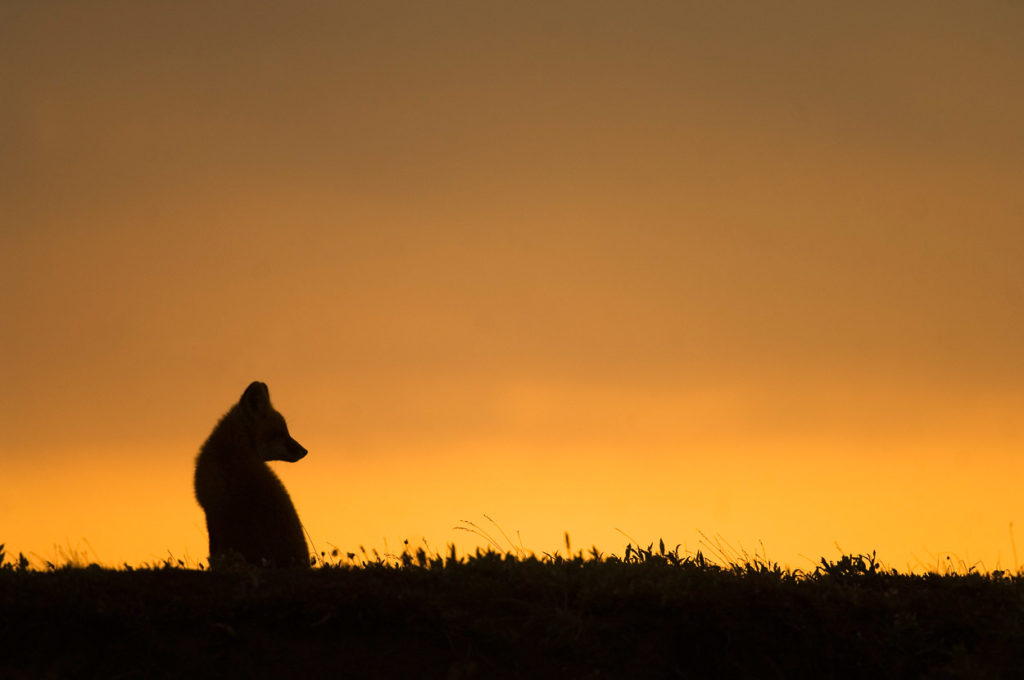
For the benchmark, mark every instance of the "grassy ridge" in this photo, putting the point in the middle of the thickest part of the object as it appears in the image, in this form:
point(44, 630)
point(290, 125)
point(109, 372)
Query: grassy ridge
point(651, 613)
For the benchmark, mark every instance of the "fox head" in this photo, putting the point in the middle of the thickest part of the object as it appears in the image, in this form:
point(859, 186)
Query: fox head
point(269, 431)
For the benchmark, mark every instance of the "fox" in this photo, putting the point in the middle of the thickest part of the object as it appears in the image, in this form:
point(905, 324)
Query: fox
point(249, 514)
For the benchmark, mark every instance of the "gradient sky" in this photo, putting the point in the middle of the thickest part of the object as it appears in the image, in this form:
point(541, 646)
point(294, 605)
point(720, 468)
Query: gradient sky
point(747, 269)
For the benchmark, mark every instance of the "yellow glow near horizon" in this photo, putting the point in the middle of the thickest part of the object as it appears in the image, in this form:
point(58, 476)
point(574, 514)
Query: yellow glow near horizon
point(913, 499)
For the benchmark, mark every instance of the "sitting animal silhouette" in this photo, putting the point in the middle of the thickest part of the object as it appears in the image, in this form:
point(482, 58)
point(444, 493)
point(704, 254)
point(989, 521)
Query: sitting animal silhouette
point(249, 514)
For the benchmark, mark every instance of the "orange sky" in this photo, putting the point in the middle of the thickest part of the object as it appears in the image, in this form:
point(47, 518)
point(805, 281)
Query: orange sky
point(751, 270)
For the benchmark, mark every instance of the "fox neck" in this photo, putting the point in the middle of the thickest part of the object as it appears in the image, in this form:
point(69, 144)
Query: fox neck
point(230, 438)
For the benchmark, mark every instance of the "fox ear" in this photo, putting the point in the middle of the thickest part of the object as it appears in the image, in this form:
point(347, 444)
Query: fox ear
point(256, 398)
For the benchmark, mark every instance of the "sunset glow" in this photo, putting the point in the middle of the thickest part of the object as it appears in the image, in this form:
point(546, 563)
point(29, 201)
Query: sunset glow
point(627, 271)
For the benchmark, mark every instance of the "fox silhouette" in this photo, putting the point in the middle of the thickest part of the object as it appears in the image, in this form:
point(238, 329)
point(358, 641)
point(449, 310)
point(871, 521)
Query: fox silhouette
point(249, 514)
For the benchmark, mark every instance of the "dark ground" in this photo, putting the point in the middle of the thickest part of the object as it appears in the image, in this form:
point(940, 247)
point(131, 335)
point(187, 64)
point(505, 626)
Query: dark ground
point(500, 617)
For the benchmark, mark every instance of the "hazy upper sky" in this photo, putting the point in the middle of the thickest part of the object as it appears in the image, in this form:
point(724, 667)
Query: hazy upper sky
point(752, 269)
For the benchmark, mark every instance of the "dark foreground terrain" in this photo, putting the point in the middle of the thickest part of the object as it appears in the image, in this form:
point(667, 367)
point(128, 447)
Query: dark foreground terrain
point(651, 614)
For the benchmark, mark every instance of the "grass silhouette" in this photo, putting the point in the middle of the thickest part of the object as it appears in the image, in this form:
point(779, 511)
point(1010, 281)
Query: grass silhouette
point(654, 611)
